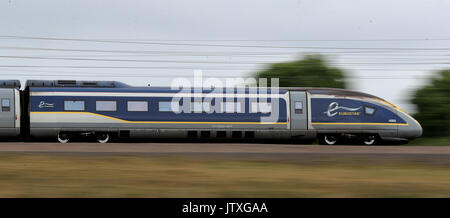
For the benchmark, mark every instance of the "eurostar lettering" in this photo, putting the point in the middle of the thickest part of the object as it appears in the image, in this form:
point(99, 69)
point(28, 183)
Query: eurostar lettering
point(335, 106)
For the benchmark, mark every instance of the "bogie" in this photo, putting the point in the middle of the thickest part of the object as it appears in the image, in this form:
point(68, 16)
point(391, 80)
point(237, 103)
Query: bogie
point(329, 139)
point(63, 137)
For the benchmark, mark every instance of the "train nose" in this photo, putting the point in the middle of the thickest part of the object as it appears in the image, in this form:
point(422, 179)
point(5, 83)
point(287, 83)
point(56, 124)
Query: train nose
point(410, 131)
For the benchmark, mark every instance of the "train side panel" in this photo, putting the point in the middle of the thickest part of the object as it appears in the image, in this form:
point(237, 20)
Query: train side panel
point(48, 116)
point(9, 112)
point(341, 114)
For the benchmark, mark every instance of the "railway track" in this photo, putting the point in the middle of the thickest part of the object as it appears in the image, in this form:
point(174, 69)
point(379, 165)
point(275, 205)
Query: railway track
point(230, 148)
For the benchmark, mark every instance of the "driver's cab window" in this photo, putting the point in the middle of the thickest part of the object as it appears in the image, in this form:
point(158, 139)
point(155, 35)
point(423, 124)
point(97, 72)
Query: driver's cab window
point(369, 110)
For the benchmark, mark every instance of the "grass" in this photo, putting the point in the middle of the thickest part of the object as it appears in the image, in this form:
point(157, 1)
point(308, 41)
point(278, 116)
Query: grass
point(45, 175)
point(427, 141)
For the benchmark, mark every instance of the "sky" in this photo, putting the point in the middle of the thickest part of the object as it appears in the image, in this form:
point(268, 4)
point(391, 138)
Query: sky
point(388, 48)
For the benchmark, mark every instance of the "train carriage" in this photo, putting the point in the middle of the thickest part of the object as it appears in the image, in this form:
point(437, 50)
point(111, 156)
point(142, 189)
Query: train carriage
point(340, 113)
point(10, 112)
point(107, 109)
point(147, 112)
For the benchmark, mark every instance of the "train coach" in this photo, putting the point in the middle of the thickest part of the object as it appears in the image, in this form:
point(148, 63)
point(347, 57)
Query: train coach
point(109, 109)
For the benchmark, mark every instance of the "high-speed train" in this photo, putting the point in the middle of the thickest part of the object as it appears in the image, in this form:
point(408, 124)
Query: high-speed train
point(65, 109)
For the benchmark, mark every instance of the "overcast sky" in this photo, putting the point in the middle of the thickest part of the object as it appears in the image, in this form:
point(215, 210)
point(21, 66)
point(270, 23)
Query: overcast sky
point(143, 39)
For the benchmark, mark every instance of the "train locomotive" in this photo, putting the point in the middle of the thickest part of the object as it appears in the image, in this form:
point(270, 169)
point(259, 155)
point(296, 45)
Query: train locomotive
point(64, 109)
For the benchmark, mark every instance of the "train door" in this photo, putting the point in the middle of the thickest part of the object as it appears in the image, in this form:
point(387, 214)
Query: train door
point(7, 110)
point(298, 109)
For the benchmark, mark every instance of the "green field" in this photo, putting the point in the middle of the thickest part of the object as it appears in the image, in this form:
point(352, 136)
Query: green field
point(64, 175)
point(427, 141)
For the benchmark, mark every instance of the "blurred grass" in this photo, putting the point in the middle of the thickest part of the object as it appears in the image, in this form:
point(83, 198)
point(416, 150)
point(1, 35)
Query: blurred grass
point(63, 175)
point(431, 141)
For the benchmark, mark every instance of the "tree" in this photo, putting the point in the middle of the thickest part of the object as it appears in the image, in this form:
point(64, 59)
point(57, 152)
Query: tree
point(309, 72)
point(433, 104)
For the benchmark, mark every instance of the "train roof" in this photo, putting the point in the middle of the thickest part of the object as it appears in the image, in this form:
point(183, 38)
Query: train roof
point(331, 91)
point(76, 84)
point(113, 86)
point(9, 84)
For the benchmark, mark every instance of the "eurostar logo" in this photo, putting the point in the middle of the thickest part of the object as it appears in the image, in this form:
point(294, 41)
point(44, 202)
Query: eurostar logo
point(334, 106)
point(43, 104)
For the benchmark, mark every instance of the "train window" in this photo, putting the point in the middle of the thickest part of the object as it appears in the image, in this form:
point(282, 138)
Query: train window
point(74, 105)
point(265, 107)
point(260, 107)
point(232, 107)
point(298, 107)
point(369, 110)
point(105, 105)
point(168, 106)
point(137, 106)
point(198, 107)
point(6, 104)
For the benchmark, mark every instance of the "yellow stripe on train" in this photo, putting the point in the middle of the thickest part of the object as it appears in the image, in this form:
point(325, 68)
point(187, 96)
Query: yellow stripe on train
point(160, 122)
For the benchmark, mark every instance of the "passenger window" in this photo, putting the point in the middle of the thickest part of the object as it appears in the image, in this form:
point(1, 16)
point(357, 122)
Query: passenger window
point(232, 107)
point(265, 107)
point(198, 107)
point(167, 106)
point(137, 106)
point(74, 105)
point(298, 107)
point(6, 104)
point(260, 107)
point(105, 105)
point(369, 110)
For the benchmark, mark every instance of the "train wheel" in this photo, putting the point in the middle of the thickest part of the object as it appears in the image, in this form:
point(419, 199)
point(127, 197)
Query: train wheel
point(103, 137)
point(370, 140)
point(63, 137)
point(328, 139)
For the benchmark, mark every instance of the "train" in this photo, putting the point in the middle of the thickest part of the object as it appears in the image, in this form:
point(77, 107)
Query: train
point(67, 109)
